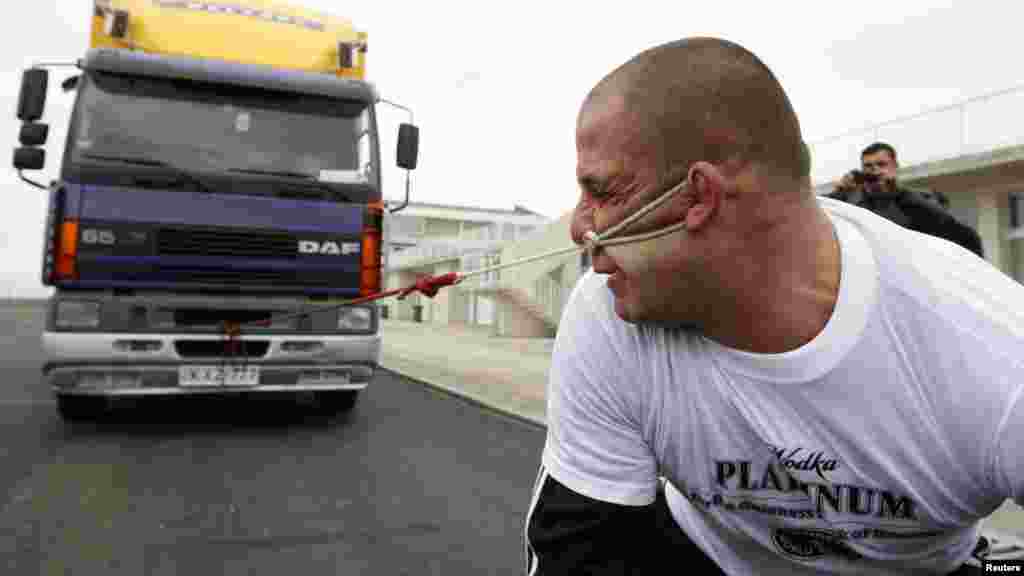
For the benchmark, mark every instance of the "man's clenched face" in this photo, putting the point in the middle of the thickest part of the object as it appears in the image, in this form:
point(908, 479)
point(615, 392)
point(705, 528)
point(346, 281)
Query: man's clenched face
point(617, 176)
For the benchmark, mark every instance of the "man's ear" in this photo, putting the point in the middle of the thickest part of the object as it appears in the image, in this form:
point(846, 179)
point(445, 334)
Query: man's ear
point(707, 189)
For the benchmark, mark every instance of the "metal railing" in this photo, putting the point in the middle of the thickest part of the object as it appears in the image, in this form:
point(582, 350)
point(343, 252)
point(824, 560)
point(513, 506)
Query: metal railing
point(477, 260)
point(434, 250)
point(973, 126)
point(482, 233)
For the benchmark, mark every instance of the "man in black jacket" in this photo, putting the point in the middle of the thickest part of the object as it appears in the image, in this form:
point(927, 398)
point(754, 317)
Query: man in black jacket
point(875, 188)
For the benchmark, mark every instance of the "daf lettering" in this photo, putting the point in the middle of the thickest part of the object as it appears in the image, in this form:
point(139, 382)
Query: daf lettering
point(326, 248)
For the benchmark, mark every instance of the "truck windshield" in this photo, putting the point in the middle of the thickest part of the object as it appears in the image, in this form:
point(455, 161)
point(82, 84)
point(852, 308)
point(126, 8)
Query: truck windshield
point(223, 129)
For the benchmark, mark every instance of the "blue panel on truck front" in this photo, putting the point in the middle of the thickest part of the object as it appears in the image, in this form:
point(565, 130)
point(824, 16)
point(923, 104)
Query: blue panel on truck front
point(199, 209)
point(187, 240)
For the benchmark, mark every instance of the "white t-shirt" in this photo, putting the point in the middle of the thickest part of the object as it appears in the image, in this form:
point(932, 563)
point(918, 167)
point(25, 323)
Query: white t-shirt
point(876, 448)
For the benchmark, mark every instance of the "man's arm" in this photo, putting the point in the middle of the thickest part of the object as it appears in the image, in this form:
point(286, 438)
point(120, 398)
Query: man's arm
point(569, 533)
point(598, 476)
point(931, 218)
point(971, 240)
point(957, 232)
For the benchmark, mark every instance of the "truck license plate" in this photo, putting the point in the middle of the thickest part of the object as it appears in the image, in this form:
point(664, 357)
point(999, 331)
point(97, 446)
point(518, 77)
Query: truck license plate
point(213, 376)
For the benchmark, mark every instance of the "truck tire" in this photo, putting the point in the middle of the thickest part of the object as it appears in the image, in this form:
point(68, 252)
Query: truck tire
point(78, 408)
point(337, 401)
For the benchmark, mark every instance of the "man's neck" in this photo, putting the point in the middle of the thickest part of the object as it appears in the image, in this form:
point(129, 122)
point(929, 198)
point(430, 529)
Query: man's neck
point(788, 291)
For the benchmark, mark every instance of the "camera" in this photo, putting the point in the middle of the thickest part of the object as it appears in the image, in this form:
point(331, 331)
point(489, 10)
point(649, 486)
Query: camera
point(861, 178)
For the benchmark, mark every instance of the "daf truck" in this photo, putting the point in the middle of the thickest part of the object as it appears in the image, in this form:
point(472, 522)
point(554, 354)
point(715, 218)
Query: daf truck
point(221, 168)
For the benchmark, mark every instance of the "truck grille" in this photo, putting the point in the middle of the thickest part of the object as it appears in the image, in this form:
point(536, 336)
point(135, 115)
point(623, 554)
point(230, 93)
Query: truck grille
point(259, 278)
point(219, 348)
point(222, 242)
point(245, 277)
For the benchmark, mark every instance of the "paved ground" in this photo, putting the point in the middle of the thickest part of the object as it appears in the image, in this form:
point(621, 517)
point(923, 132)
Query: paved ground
point(508, 373)
point(414, 481)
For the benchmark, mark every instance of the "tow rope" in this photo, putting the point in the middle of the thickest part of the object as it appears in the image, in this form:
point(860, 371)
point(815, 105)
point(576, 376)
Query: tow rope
point(429, 286)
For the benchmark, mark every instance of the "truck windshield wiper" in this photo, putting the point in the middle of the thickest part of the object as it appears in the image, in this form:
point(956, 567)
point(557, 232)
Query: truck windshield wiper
point(143, 161)
point(295, 175)
point(282, 173)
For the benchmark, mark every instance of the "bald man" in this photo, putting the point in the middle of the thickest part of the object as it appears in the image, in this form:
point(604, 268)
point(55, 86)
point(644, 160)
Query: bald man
point(787, 385)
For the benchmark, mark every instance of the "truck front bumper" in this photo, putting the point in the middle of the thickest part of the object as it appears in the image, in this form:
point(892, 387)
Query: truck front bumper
point(161, 364)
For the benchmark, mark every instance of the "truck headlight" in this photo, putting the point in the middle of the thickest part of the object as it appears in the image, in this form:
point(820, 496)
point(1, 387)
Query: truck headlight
point(78, 314)
point(350, 318)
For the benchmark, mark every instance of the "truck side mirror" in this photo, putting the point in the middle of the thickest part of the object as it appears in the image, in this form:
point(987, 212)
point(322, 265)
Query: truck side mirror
point(32, 99)
point(408, 146)
point(33, 134)
point(27, 158)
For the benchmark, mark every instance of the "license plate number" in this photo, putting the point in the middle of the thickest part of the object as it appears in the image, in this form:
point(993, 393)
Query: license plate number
point(214, 376)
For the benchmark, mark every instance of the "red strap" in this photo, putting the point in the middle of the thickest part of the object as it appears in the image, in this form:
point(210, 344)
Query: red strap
point(232, 329)
point(232, 339)
point(429, 285)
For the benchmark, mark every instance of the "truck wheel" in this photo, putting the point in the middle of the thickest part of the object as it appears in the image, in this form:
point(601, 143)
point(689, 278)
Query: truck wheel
point(78, 408)
point(337, 401)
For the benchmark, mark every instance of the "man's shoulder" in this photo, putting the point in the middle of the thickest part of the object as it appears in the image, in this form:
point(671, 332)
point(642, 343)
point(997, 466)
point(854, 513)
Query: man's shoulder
point(837, 194)
point(924, 199)
point(926, 267)
point(908, 267)
point(588, 311)
point(918, 196)
point(915, 188)
point(587, 293)
point(930, 215)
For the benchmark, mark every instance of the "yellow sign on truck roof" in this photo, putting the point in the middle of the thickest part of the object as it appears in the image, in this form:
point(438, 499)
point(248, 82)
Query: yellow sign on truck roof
point(244, 31)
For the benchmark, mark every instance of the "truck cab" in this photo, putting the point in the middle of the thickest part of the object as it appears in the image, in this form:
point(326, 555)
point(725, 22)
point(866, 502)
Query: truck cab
point(221, 173)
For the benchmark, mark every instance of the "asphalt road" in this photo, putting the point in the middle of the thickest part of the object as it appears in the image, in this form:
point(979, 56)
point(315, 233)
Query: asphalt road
point(411, 482)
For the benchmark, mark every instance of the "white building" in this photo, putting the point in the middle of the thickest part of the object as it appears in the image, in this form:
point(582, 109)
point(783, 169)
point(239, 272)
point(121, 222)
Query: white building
point(431, 239)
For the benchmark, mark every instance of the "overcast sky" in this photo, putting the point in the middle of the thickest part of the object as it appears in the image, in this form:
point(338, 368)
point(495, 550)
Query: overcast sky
point(495, 86)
